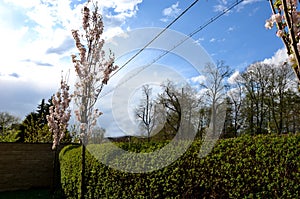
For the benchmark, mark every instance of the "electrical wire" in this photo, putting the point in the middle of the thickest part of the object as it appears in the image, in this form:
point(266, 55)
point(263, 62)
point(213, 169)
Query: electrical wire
point(226, 10)
point(158, 35)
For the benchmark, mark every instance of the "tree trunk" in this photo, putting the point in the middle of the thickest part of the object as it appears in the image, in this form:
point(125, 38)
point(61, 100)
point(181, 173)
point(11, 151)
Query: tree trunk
point(82, 185)
point(56, 188)
point(54, 177)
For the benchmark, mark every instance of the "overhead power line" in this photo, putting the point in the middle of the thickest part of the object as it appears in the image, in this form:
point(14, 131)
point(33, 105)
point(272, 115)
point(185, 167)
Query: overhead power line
point(214, 19)
point(158, 35)
point(226, 10)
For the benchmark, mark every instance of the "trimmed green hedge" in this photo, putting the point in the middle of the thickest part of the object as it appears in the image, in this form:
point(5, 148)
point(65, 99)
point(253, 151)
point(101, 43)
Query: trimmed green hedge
point(244, 167)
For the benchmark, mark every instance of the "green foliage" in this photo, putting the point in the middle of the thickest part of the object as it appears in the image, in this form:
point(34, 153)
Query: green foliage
point(70, 159)
point(244, 167)
point(34, 131)
point(35, 128)
point(10, 136)
point(141, 147)
point(9, 127)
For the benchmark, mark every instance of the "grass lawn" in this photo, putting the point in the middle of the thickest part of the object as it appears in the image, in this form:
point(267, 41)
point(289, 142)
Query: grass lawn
point(26, 194)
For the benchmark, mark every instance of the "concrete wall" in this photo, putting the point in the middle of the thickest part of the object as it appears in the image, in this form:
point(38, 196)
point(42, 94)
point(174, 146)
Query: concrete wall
point(25, 165)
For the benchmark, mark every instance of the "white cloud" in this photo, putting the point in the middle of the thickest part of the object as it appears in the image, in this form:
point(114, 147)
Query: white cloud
point(232, 79)
point(198, 41)
point(164, 20)
point(220, 8)
point(43, 16)
point(212, 40)
point(246, 2)
point(230, 29)
point(223, 5)
point(170, 12)
point(120, 6)
point(279, 57)
point(36, 44)
point(113, 32)
point(198, 79)
point(24, 4)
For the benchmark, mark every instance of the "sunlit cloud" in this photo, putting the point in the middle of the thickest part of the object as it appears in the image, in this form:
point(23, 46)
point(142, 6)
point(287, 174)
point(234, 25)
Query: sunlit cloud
point(230, 29)
point(170, 12)
point(212, 40)
point(36, 44)
point(278, 58)
point(232, 79)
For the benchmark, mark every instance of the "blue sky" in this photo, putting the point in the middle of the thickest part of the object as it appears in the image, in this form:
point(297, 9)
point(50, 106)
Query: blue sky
point(36, 41)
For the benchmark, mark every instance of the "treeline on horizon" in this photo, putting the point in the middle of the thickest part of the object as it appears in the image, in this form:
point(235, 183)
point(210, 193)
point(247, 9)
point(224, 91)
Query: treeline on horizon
point(262, 99)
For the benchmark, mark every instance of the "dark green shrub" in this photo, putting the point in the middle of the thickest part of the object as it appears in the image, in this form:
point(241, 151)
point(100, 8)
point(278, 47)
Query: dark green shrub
point(244, 167)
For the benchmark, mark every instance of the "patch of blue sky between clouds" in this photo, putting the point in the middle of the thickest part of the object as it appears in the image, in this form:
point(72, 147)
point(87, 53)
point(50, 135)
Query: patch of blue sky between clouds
point(66, 45)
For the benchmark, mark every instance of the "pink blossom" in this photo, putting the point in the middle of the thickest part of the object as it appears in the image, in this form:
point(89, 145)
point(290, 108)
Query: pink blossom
point(269, 24)
point(94, 123)
point(295, 16)
point(276, 18)
point(83, 126)
point(92, 68)
point(59, 113)
point(298, 46)
point(292, 59)
point(293, 3)
point(280, 7)
point(279, 33)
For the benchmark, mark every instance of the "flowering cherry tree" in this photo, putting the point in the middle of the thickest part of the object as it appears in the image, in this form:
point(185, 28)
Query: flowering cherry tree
point(92, 68)
point(58, 120)
point(286, 17)
point(93, 71)
point(59, 113)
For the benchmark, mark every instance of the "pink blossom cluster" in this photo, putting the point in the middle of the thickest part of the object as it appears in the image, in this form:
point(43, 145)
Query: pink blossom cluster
point(59, 113)
point(92, 68)
point(287, 19)
point(280, 19)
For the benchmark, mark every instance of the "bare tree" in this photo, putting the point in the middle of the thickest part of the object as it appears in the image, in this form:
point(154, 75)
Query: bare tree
point(193, 108)
point(255, 81)
point(7, 120)
point(281, 80)
point(170, 99)
point(215, 90)
point(266, 102)
point(145, 113)
point(202, 121)
point(181, 107)
point(236, 96)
